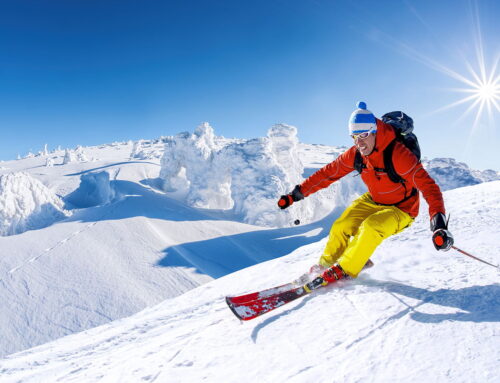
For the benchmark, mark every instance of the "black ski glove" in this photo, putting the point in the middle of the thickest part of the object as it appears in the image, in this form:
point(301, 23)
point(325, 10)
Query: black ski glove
point(289, 199)
point(441, 237)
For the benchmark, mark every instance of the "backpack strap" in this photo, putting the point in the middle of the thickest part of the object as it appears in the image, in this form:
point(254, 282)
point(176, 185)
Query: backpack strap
point(389, 164)
point(393, 174)
point(359, 165)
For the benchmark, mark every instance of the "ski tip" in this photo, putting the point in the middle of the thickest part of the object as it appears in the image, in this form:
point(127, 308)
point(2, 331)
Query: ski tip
point(240, 311)
point(231, 307)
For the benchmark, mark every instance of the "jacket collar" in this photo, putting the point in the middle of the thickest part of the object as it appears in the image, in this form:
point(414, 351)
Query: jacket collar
point(385, 135)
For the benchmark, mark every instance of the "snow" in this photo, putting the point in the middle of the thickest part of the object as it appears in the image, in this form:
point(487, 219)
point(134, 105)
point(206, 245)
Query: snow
point(69, 157)
point(130, 284)
point(245, 176)
point(26, 204)
point(94, 190)
point(145, 150)
point(418, 315)
point(188, 163)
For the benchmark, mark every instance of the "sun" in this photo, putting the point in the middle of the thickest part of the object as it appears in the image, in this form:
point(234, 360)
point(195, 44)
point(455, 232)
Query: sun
point(484, 85)
point(489, 92)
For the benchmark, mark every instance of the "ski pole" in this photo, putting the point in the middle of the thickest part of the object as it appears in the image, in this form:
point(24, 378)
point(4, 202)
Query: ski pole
point(470, 255)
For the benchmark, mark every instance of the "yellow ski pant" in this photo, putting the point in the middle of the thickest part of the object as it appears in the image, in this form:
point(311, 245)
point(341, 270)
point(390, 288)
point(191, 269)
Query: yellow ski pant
point(356, 234)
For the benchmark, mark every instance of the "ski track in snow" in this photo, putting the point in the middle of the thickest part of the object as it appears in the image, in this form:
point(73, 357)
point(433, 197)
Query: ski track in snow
point(48, 250)
point(72, 236)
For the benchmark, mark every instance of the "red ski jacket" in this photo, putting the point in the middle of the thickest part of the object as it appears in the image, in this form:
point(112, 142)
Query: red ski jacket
point(382, 190)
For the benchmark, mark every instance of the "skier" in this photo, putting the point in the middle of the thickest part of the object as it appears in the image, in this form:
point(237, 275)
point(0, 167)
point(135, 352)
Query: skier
point(386, 209)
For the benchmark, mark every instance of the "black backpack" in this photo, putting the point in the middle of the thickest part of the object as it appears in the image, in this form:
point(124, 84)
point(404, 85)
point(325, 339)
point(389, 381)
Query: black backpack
point(403, 127)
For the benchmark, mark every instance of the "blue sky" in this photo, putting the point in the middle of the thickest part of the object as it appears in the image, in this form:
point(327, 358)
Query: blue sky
point(90, 72)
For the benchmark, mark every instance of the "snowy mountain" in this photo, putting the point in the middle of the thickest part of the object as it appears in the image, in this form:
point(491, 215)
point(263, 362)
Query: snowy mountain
point(96, 234)
point(450, 174)
point(418, 315)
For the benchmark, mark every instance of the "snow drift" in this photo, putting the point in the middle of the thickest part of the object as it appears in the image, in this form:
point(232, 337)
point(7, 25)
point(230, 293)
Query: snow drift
point(94, 190)
point(26, 204)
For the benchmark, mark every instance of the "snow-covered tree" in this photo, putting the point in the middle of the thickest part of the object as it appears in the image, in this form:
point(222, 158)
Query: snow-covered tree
point(26, 204)
point(69, 157)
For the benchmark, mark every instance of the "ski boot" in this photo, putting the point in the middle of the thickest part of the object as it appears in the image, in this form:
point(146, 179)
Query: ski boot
point(316, 270)
point(330, 275)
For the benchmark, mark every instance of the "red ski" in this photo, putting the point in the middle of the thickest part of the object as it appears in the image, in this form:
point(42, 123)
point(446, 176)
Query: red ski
point(250, 306)
point(264, 293)
point(249, 309)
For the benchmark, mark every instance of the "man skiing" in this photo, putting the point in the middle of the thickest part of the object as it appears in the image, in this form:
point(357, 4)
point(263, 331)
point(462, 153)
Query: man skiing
point(386, 209)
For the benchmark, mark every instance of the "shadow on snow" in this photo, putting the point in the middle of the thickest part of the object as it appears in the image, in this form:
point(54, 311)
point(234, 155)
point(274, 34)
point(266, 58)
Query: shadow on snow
point(475, 304)
point(224, 255)
point(135, 200)
point(109, 166)
point(215, 257)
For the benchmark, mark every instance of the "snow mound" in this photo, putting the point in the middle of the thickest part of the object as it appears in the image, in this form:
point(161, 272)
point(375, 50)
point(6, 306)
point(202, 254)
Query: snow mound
point(189, 166)
point(49, 163)
point(246, 176)
point(94, 190)
point(26, 204)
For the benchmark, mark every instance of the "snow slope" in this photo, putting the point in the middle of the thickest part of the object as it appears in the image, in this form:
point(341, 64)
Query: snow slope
point(125, 246)
point(418, 315)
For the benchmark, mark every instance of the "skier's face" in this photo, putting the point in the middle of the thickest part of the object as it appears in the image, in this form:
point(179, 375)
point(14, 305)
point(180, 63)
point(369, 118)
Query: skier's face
point(365, 145)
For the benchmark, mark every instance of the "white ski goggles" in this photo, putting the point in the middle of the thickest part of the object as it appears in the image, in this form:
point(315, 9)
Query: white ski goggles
point(362, 135)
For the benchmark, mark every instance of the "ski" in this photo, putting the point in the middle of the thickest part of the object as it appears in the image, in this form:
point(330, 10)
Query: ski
point(250, 309)
point(265, 293)
point(252, 305)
